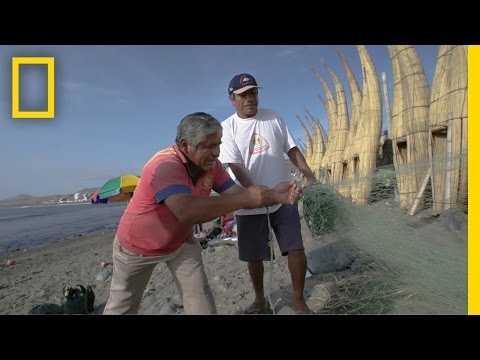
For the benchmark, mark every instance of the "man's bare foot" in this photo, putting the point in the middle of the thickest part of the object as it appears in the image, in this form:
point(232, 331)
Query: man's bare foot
point(258, 307)
point(301, 308)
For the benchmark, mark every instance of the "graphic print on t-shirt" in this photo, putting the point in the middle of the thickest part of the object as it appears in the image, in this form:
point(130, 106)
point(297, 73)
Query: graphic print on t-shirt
point(258, 144)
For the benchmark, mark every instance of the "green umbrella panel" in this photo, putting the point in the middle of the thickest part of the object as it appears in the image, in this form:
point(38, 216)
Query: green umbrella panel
point(125, 184)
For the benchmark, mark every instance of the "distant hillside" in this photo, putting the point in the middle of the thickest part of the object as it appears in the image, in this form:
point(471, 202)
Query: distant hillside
point(20, 197)
point(81, 196)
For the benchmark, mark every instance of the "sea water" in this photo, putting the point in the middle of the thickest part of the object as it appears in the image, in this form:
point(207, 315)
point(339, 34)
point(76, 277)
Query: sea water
point(23, 227)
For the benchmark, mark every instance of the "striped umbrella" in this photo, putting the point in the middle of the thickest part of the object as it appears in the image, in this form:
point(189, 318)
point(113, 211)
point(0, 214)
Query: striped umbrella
point(95, 199)
point(120, 188)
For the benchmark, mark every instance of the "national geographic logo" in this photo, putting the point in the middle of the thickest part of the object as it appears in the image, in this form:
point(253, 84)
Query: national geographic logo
point(50, 112)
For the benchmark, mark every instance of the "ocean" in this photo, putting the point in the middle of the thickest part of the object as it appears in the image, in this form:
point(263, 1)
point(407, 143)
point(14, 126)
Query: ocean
point(23, 227)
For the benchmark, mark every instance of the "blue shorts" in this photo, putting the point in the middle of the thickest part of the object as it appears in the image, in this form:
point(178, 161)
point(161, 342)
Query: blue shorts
point(252, 232)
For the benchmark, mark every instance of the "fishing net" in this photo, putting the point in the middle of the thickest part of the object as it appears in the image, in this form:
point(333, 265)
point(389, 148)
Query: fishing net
point(402, 264)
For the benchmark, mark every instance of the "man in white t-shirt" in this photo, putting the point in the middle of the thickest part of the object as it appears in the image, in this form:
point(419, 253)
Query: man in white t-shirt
point(254, 142)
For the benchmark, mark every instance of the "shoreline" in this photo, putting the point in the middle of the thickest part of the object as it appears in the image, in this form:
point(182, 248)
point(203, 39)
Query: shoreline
point(97, 232)
point(41, 272)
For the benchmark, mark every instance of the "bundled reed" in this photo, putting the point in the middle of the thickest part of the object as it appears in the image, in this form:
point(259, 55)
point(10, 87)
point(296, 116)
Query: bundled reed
point(411, 94)
point(341, 131)
point(448, 128)
point(348, 152)
point(368, 132)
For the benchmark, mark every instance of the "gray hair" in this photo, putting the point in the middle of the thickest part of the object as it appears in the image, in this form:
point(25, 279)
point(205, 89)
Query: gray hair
point(195, 128)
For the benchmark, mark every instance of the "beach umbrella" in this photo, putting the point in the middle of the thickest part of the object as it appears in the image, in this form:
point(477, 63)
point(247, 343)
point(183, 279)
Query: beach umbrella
point(120, 188)
point(95, 199)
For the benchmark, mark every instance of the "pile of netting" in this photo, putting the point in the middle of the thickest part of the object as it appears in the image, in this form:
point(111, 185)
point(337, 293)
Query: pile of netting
point(401, 264)
point(323, 209)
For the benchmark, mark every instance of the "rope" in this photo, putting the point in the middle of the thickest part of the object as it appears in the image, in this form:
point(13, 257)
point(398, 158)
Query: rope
point(270, 275)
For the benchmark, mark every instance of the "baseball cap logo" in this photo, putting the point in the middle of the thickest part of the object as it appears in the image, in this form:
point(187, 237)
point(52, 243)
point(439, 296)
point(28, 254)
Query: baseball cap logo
point(245, 80)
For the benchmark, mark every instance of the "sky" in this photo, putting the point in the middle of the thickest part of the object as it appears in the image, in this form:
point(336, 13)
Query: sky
point(116, 106)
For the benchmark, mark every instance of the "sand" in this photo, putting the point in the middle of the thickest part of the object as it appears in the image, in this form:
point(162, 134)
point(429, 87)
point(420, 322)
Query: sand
point(39, 275)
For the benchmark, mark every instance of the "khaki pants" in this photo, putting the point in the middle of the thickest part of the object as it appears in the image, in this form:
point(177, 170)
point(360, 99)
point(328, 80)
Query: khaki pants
point(131, 273)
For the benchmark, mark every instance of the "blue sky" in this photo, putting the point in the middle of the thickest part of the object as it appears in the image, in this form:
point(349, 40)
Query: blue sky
point(115, 106)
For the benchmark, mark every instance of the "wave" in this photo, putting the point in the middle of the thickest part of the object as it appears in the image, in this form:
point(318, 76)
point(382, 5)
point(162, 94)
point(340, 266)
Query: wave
point(20, 217)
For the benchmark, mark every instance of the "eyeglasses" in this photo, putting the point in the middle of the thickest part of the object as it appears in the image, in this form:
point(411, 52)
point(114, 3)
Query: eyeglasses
point(251, 92)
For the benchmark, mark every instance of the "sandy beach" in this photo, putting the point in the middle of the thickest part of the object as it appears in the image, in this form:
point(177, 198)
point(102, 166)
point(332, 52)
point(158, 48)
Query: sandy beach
point(39, 275)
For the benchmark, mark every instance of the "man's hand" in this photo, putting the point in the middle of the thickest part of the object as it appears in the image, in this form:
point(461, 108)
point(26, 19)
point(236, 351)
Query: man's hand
point(257, 196)
point(286, 193)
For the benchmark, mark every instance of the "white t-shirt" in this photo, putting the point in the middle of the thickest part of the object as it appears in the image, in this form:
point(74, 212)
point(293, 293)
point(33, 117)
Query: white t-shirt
point(259, 143)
